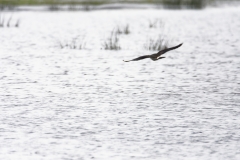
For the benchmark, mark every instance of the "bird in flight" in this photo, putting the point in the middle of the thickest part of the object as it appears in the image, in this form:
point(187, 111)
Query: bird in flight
point(155, 56)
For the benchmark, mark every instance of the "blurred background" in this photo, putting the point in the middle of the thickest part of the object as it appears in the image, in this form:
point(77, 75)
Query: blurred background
point(111, 4)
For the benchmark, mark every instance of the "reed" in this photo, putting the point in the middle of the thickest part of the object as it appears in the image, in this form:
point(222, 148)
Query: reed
point(156, 23)
point(123, 30)
point(112, 43)
point(74, 43)
point(2, 19)
point(152, 24)
point(17, 23)
point(9, 21)
point(157, 44)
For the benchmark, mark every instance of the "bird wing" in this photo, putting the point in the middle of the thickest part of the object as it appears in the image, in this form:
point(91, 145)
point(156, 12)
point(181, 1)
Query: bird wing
point(167, 49)
point(139, 58)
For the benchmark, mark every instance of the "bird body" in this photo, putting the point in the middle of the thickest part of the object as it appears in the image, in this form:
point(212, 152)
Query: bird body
point(155, 56)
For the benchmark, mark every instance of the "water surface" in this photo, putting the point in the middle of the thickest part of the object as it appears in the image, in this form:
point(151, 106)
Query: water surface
point(88, 104)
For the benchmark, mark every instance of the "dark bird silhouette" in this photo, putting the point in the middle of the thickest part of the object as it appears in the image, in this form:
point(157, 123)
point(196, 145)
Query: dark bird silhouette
point(155, 56)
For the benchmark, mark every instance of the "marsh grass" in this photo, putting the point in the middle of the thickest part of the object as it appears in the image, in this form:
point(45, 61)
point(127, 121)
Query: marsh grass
point(2, 19)
point(74, 43)
point(156, 23)
point(112, 43)
point(123, 30)
point(9, 21)
point(157, 44)
point(152, 24)
point(17, 23)
point(161, 42)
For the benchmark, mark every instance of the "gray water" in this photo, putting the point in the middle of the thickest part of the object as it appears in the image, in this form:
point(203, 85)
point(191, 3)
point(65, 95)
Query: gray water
point(88, 104)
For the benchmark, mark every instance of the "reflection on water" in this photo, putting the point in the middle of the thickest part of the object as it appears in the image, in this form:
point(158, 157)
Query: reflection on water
point(88, 104)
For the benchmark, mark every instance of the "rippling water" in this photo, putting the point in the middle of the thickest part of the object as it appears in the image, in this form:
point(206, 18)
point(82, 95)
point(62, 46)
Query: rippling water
point(88, 104)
